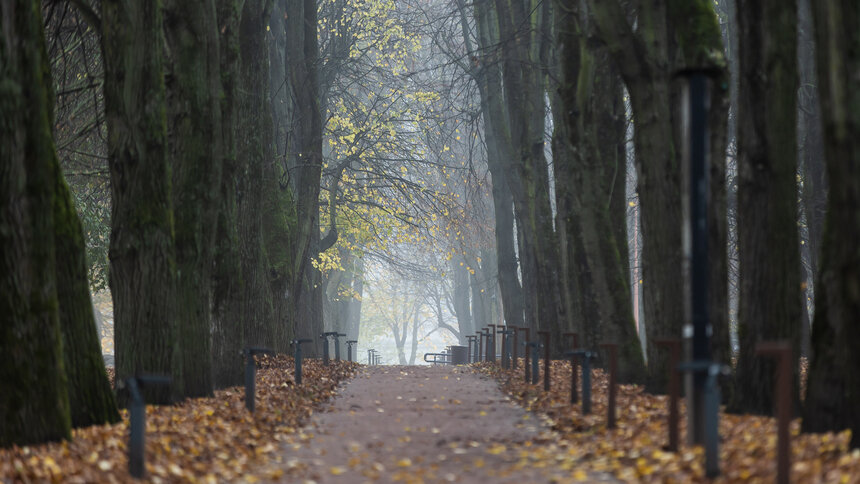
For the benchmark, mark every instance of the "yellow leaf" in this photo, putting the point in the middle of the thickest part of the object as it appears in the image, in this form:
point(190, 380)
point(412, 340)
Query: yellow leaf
point(337, 470)
point(405, 462)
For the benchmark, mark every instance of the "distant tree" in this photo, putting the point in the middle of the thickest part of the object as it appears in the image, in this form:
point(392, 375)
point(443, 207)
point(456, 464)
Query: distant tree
point(833, 394)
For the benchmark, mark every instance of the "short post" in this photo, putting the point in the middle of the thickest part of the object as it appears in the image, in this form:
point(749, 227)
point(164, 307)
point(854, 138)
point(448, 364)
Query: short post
point(546, 360)
point(585, 357)
point(514, 347)
point(251, 374)
point(574, 344)
point(469, 339)
point(674, 346)
point(486, 343)
point(297, 343)
point(781, 351)
point(479, 340)
point(349, 345)
point(336, 335)
point(137, 421)
point(501, 331)
point(526, 366)
point(612, 348)
point(535, 360)
point(711, 406)
point(325, 337)
point(492, 344)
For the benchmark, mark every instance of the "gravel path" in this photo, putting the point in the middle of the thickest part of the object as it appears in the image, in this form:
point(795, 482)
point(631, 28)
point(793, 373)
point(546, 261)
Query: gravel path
point(426, 424)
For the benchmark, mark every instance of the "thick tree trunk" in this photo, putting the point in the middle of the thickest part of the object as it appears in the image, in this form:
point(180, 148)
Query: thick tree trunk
point(257, 188)
point(768, 247)
point(227, 282)
point(91, 397)
point(196, 152)
point(142, 264)
point(34, 404)
point(588, 85)
point(833, 394)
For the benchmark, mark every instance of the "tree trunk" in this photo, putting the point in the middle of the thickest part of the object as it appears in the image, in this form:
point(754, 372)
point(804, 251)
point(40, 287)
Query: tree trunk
point(257, 188)
point(142, 264)
point(196, 152)
point(304, 159)
point(227, 283)
point(588, 85)
point(833, 394)
point(768, 247)
point(34, 404)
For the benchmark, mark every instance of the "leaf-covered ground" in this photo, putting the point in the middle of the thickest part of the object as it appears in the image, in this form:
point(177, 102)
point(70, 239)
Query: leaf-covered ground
point(202, 440)
point(634, 451)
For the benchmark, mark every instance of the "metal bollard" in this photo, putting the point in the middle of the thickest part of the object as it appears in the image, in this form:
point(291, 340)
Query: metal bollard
point(251, 374)
point(349, 345)
point(585, 357)
point(471, 340)
point(336, 335)
point(674, 346)
point(781, 351)
point(526, 366)
point(613, 383)
point(711, 410)
point(137, 421)
point(325, 337)
point(514, 347)
point(546, 359)
point(298, 357)
point(534, 346)
point(492, 345)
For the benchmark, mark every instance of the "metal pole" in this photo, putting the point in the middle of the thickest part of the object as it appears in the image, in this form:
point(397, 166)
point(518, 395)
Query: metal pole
point(298, 358)
point(479, 340)
point(501, 331)
point(493, 344)
point(251, 374)
point(546, 360)
point(137, 421)
point(535, 345)
point(782, 352)
point(695, 199)
point(514, 347)
point(526, 367)
point(337, 345)
point(613, 383)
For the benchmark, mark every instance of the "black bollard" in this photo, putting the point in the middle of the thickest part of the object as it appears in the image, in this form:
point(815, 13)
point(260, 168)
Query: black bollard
point(336, 335)
point(251, 374)
point(585, 357)
point(534, 347)
point(514, 347)
point(298, 363)
point(674, 346)
point(612, 348)
point(781, 351)
point(471, 340)
point(526, 367)
point(711, 407)
point(546, 360)
point(137, 421)
point(349, 345)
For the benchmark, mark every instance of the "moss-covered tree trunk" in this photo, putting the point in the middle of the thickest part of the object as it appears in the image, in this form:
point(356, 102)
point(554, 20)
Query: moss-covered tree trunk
point(91, 398)
point(196, 154)
point(142, 264)
point(264, 242)
point(833, 394)
point(227, 281)
point(768, 247)
point(642, 56)
point(588, 86)
point(34, 404)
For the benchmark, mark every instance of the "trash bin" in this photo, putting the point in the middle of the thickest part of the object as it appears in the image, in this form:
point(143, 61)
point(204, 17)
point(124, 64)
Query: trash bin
point(459, 355)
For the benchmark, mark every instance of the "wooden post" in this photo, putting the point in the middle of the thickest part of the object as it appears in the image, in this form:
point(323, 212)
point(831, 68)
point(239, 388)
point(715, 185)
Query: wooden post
point(781, 351)
point(674, 346)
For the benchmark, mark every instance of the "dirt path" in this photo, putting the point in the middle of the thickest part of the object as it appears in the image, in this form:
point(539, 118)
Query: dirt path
point(425, 424)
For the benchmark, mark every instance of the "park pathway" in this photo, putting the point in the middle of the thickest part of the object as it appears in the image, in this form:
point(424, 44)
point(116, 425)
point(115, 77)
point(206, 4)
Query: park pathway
point(425, 424)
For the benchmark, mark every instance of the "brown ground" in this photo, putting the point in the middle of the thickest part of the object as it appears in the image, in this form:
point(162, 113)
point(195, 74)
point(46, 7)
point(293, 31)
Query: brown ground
point(425, 424)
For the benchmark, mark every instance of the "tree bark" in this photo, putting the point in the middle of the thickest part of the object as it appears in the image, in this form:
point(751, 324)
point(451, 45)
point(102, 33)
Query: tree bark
point(227, 282)
point(196, 152)
point(142, 263)
point(34, 403)
point(768, 247)
point(833, 394)
point(588, 85)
